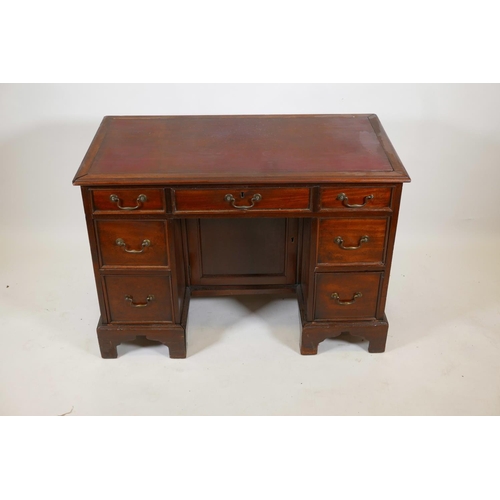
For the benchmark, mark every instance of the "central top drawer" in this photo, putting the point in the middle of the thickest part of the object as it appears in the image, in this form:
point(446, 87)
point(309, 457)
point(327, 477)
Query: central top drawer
point(240, 200)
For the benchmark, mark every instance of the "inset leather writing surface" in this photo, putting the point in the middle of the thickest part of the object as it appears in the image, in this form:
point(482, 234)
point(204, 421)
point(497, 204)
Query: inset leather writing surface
point(217, 149)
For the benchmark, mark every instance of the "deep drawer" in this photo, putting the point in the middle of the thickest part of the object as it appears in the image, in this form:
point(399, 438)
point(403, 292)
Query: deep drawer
point(351, 241)
point(341, 296)
point(131, 243)
point(127, 201)
point(139, 299)
point(352, 198)
point(237, 200)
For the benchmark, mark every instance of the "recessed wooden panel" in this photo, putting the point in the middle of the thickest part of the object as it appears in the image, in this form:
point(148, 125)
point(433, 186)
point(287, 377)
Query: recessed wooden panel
point(128, 199)
point(147, 237)
point(139, 309)
point(346, 285)
point(370, 198)
point(243, 251)
point(351, 241)
point(256, 199)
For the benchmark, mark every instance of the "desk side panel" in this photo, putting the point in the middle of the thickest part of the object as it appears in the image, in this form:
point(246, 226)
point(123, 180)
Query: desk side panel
point(307, 268)
point(178, 267)
point(94, 250)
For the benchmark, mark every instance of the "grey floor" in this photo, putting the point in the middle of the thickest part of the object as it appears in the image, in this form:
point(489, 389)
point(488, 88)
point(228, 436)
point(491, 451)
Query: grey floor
point(442, 358)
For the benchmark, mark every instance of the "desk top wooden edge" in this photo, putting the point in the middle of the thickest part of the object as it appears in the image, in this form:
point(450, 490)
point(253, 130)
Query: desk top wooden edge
point(396, 173)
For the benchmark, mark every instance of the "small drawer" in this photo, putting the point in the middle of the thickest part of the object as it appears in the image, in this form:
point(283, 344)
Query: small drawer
point(129, 243)
point(352, 241)
point(238, 200)
point(139, 299)
point(128, 201)
point(341, 296)
point(352, 198)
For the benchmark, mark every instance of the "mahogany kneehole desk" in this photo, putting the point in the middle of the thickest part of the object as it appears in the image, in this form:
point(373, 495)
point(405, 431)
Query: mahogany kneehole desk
point(181, 206)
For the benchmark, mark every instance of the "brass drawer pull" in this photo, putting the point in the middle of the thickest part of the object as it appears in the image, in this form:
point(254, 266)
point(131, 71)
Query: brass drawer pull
point(336, 297)
point(130, 299)
point(340, 242)
point(344, 199)
point(144, 244)
point(140, 200)
point(255, 198)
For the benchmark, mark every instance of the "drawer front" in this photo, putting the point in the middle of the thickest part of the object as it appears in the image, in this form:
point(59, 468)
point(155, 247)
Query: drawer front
point(128, 201)
point(341, 296)
point(130, 243)
point(238, 200)
point(139, 299)
point(352, 198)
point(352, 241)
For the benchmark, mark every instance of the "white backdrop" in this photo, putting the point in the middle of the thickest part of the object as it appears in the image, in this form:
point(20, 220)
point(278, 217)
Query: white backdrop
point(443, 346)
